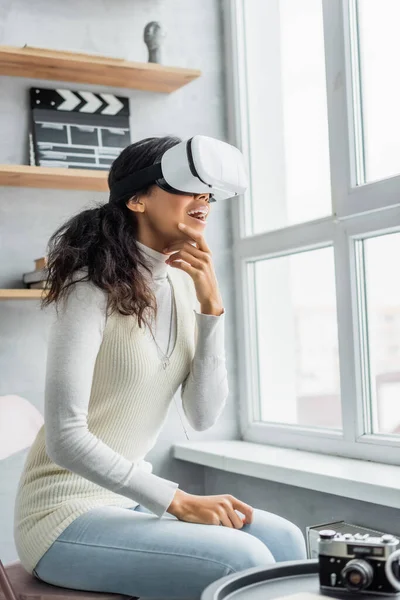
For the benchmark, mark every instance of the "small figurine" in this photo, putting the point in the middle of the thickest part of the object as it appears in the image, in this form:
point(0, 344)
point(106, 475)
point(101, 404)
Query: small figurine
point(153, 35)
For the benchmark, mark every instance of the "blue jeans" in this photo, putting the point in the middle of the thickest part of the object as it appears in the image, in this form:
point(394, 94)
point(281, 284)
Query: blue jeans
point(132, 551)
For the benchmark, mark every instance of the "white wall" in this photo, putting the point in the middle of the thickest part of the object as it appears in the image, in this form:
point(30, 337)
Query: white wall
point(28, 217)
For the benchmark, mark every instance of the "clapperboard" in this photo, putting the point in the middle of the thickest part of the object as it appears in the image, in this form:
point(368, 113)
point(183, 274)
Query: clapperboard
point(79, 130)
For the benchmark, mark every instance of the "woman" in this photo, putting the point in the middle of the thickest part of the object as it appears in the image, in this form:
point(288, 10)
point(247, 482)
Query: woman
point(141, 315)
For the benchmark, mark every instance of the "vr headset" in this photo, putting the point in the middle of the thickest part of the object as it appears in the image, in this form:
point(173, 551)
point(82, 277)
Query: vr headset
point(199, 165)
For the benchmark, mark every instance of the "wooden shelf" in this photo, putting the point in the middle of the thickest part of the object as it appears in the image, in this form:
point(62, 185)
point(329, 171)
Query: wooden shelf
point(22, 294)
point(54, 178)
point(40, 63)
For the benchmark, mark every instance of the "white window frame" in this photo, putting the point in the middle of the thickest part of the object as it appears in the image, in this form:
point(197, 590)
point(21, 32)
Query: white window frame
point(359, 212)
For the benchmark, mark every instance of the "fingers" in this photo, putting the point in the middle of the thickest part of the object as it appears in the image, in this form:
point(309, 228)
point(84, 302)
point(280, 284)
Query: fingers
point(197, 263)
point(229, 517)
point(195, 235)
point(234, 517)
point(179, 244)
point(187, 247)
point(185, 267)
point(175, 250)
point(225, 520)
point(244, 508)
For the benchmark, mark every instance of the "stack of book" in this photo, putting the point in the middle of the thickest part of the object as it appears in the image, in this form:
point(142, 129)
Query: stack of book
point(36, 279)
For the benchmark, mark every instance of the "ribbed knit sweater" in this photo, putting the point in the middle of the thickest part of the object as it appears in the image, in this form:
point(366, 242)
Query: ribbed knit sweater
point(106, 399)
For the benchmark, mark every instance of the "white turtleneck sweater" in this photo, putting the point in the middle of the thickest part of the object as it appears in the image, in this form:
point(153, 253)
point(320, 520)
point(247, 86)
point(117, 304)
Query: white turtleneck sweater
point(208, 376)
point(203, 392)
point(106, 400)
point(210, 348)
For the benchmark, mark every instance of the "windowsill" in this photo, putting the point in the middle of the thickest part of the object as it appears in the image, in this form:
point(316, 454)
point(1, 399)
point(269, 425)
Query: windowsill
point(347, 477)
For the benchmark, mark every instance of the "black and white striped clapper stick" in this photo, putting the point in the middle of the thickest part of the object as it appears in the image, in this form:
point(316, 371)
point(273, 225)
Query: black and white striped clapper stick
point(82, 102)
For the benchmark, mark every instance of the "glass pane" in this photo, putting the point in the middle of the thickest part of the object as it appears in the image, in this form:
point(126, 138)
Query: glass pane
point(383, 326)
point(379, 48)
point(287, 112)
point(297, 340)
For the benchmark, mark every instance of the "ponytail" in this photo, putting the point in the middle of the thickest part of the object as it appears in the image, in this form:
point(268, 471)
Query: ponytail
point(102, 240)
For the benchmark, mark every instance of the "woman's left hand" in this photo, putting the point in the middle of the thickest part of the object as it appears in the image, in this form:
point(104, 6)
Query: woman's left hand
point(197, 262)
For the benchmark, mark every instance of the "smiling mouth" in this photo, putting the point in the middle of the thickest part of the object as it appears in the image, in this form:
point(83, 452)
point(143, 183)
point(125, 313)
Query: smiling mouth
point(198, 216)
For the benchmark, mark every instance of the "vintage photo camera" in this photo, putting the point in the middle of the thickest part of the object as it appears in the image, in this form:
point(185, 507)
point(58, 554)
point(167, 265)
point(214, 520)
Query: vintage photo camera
point(359, 563)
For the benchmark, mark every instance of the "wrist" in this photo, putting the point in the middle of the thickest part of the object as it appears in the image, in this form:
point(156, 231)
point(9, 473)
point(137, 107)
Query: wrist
point(176, 506)
point(210, 308)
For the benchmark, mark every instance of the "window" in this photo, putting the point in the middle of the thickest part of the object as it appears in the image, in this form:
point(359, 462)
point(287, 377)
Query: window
point(382, 329)
point(287, 113)
point(314, 100)
point(379, 43)
point(297, 342)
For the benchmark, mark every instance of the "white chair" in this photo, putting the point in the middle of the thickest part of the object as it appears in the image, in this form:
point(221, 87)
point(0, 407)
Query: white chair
point(20, 422)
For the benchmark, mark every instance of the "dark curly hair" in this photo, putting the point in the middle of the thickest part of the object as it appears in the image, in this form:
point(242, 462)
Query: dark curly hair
point(103, 241)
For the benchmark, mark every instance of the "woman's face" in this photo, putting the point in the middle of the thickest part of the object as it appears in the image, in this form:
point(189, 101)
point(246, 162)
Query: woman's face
point(159, 212)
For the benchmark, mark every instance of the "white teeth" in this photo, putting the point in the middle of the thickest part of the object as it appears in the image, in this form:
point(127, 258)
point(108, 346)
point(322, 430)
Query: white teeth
point(201, 211)
point(197, 215)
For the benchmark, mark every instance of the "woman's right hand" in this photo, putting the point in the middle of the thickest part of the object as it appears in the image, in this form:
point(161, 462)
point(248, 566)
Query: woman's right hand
point(210, 510)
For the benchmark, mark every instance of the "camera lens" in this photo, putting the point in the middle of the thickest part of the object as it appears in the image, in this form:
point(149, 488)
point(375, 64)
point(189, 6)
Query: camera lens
point(357, 575)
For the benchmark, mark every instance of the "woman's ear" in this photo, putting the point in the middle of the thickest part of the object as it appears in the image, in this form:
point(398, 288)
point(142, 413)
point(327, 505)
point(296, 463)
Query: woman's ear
point(135, 204)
